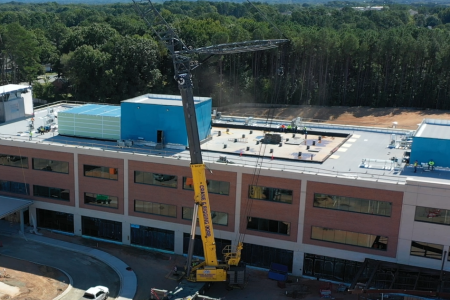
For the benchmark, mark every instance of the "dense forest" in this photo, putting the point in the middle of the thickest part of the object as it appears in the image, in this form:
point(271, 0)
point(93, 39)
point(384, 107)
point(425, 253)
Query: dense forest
point(398, 56)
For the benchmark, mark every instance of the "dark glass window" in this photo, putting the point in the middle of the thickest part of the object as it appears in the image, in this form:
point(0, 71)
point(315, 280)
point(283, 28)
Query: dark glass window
point(100, 228)
point(269, 225)
point(432, 215)
point(49, 192)
point(214, 186)
point(101, 200)
point(363, 206)
point(155, 179)
point(153, 237)
point(263, 256)
point(50, 165)
point(100, 172)
point(14, 187)
point(198, 245)
point(330, 268)
point(270, 194)
point(218, 218)
point(14, 161)
point(349, 238)
point(426, 250)
point(161, 209)
point(54, 220)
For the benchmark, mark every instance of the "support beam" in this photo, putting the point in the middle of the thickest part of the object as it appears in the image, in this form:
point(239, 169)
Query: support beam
point(395, 278)
point(22, 223)
point(361, 270)
point(417, 281)
point(377, 265)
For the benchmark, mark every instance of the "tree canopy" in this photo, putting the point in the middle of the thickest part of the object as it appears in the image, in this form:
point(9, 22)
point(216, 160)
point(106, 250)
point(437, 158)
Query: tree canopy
point(340, 53)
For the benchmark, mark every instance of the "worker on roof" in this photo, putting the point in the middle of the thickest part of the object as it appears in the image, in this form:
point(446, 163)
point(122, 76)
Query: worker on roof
point(431, 165)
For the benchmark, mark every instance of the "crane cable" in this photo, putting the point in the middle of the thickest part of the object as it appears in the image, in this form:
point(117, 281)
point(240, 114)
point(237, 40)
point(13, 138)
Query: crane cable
point(262, 149)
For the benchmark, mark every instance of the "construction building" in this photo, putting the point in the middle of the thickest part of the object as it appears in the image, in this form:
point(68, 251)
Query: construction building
point(324, 200)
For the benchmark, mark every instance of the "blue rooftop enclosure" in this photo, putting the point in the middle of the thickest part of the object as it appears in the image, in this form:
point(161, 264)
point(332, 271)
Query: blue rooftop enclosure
point(144, 116)
point(432, 141)
point(91, 121)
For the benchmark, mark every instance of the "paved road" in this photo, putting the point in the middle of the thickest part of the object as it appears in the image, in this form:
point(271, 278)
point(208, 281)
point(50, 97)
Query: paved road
point(84, 270)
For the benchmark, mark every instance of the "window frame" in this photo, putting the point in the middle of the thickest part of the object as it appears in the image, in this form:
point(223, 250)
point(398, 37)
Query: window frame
point(353, 234)
point(425, 251)
point(348, 200)
point(212, 212)
point(50, 161)
point(262, 222)
point(432, 214)
point(208, 182)
point(153, 203)
point(270, 191)
point(151, 174)
point(99, 205)
point(25, 166)
point(49, 192)
point(99, 177)
point(26, 187)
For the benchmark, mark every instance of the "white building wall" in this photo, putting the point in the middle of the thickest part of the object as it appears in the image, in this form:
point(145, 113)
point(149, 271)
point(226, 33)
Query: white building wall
point(427, 192)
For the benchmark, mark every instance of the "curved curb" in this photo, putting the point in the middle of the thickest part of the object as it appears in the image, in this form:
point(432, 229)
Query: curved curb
point(129, 292)
point(65, 273)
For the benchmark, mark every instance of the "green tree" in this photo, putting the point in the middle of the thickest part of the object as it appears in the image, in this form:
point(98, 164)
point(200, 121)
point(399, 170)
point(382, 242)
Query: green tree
point(22, 49)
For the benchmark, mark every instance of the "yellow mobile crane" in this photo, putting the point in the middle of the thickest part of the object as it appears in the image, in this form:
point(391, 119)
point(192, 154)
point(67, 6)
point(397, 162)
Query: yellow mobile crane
point(210, 270)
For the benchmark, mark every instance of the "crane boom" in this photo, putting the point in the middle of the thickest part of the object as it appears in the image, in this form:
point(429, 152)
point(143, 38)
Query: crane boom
point(209, 270)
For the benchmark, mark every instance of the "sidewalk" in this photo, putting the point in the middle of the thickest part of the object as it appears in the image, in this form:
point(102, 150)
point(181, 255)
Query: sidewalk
point(128, 280)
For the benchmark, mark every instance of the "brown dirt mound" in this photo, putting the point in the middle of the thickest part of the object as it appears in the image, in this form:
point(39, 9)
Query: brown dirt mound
point(362, 116)
point(34, 282)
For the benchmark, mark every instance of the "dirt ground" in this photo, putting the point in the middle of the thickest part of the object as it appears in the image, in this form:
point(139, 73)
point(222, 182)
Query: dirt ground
point(28, 281)
point(362, 116)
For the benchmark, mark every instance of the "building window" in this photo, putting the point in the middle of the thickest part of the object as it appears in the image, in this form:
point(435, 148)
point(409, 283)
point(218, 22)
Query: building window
point(100, 228)
point(218, 218)
point(432, 215)
point(270, 194)
point(101, 200)
point(155, 179)
point(49, 192)
point(214, 186)
point(100, 172)
point(426, 250)
point(363, 206)
point(54, 220)
point(14, 187)
point(152, 237)
point(14, 161)
point(330, 268)
point(50, 165)
point(263, 256)
point(161, 209)
point(349, 238)
point(268, 225)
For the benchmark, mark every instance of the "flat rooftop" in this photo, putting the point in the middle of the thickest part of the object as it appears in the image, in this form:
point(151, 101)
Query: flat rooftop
point(435, 129)
point(362, 153)
point(95, 110)
point(12, 87)
point(159, 99)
